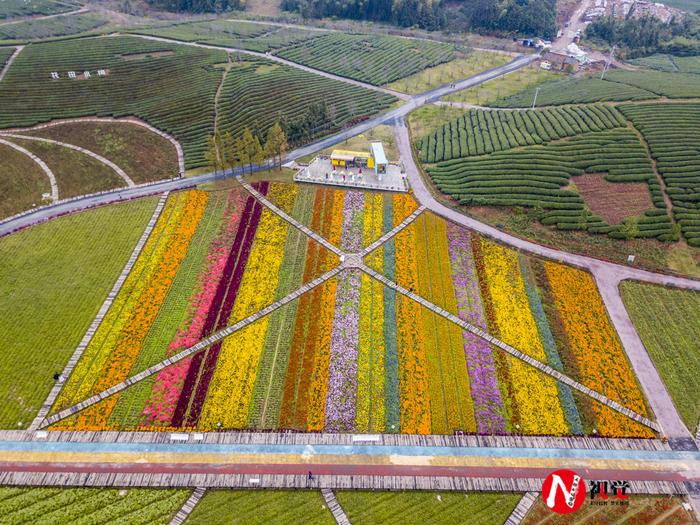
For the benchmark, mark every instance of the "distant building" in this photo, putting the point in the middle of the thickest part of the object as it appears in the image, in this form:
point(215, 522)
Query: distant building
point(378, 158)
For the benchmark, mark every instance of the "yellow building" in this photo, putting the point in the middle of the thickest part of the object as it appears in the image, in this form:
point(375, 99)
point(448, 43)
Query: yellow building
point(375, 159)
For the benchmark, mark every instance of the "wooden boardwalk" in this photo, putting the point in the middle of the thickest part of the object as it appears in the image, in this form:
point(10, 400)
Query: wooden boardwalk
point(48, 403)
point(204, 343)
point(522, 508)
point(515, 353)
point(388, 235)
point(188, 507)
point(335, 508)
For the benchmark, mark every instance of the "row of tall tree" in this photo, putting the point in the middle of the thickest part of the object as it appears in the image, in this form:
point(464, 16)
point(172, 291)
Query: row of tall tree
point(198, 6)
point(223, 152)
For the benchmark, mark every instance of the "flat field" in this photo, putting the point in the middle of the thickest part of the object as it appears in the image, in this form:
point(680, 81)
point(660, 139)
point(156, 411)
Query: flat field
point(45, 307)
point(374, 59)
point(668, 321)
point(350, 355)
point(84, 506)
point(408, 508)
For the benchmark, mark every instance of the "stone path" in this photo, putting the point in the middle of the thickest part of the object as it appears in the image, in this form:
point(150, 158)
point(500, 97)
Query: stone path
point(291, 220)
point(388, 235)
point(9, 62)
point(514, 352)
point(188, 507)
point(128, 120)
point(204, 343)
point(47, 171)
point(522, 508)
point(122, 174)
point(335, 508)
point(77, 354)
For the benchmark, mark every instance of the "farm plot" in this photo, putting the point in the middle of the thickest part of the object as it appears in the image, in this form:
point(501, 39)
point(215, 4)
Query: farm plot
point(373, 59)
point(87, 506)
point(257, 93)
point(480, 132)
point(660, 62)
point(668, 321)
point(673, 85)
point(641, 509)
point(349, 355)
point(671, 131)
point(55, 277)
point(260, 507)
point(22, 183)
point(5, 54)
point(458, 69)
point(549, 311)
point(144, 155)
point(404, 508)
point(176, 88)
point(17, 8)
point(51, 27)
point(538, 176)
point(242, 35)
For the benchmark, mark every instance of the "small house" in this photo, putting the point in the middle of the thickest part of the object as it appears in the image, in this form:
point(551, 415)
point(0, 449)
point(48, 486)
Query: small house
point(342, 158)
point(377, 159)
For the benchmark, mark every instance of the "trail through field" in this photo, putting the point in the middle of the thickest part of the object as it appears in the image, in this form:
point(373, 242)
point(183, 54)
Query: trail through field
point(12, 58)
point(44, 17)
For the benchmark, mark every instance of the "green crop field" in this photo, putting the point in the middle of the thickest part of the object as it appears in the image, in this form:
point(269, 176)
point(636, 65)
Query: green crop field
point(253, 507)
point(258, 93)
point(673, 85)
point(363, 507)
point(537, 176)
point(45, 309)
point(686, 5)
point(575, 91)
point(85, 506)
point(373, 59)
point(171, 86)
point(242, 35)
point(22, 183)
point(670, 63)
point(480, 132)
point(59, 26)
point(5, 54)
point(668, 321)
point(17, 8)
point(672, 133)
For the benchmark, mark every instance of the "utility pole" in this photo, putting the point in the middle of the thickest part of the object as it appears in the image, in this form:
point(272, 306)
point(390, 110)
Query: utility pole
point(534, 100)
point(608, 62)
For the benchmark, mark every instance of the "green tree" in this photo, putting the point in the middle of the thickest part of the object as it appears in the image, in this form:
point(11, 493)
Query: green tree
point(228, 151)
point(250, 147)
point(276, 144)
point(213, 154)
point(630, 227)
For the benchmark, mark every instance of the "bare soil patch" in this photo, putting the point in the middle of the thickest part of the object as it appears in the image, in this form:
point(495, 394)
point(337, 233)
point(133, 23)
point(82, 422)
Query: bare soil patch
point(613, 201)
point(142, 56)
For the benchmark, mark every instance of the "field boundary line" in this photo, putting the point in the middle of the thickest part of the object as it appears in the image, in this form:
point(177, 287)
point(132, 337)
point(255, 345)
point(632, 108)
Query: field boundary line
point(188, 506)
point(13, 56)
point(107, 303)
point(334, 506)
point(393, 232)
point(45, 17)
point(47, 171)
point(522, 508)
point(514, 352)
point(204, 343)
point(120, 172)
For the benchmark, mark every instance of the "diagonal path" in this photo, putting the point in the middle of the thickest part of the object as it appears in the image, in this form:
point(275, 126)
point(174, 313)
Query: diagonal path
point(9, 62)
point(391, 233)
point(522, 508)
point(512, 351)
point(188, 507)
point(122, 174)
point(204, 343)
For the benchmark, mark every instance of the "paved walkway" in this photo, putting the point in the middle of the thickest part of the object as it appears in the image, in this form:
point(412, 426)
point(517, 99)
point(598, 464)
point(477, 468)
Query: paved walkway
point(522, 508)
point(78, 353)
point(120, 172)
point(188, 507)
point(335, 508)
point(47, 171)
point(9, 62)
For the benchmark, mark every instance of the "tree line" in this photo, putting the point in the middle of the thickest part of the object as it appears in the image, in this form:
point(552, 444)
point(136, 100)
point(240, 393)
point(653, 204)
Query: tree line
point(197, 6)
point(647, 35)
point(223, 152)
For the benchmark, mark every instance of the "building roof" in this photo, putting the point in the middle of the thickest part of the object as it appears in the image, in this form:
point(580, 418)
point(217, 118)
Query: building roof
point(378, 153)
point(344, 154)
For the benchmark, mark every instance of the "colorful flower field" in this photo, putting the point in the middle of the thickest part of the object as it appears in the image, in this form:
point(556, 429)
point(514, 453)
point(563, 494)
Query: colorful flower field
point(350, 355)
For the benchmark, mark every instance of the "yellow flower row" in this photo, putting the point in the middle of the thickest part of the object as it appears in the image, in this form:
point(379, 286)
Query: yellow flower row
point(535, 394)
point(231, 387)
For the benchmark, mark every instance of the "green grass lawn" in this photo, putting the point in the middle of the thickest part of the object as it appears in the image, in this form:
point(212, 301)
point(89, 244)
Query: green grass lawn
point(364, 507)
point(54, 278)
point(51, 506)
point(504, 86)
point(452, 71)
point(253, 507)
point(426, 119)
point(668, 321)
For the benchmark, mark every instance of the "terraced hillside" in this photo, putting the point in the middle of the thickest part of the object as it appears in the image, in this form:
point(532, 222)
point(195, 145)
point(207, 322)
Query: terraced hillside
point(672, 133)
point(228, 33)
point(173, 87)
point(59, 26)
point(374, 59)
point(481, 132)
point(17, 8)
